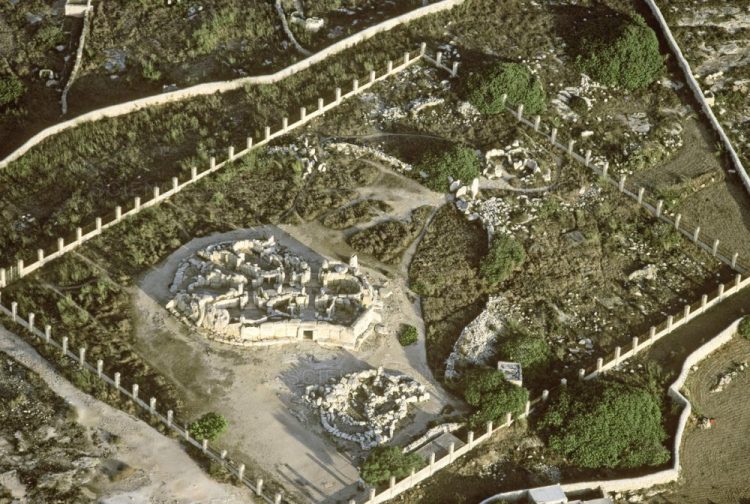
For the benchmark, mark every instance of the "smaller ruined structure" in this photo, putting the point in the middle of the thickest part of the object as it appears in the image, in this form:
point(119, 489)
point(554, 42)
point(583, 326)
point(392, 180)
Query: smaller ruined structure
point(257, 292)
point(365, 407)
point(512, 372)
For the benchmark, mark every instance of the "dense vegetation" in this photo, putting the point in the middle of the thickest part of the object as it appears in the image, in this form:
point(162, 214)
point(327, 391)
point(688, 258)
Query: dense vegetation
point(11, 89)
point(386, 461)
point(485, 89)
point(408, 336)
point(458, 163)
point(624, 52)
point(606, 424)
point(388, 240)
point(209, 426)
point(448, 256)
point(505, 255)
point(529, 350)
point(744, 328)
point(492, 395)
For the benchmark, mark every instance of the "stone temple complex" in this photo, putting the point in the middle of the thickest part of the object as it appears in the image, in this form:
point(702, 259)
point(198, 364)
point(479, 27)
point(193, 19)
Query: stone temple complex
point(257, 292)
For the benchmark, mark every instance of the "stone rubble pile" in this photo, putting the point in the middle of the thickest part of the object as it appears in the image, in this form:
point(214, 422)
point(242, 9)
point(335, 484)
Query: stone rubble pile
point(365, 407)
point(305, 154)
point(562, 102)
point(513, 161)
point(726, 379)
point(351, 149)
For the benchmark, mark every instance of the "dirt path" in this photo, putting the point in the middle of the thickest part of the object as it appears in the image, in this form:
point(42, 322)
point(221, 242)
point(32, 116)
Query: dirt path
point(163, 472)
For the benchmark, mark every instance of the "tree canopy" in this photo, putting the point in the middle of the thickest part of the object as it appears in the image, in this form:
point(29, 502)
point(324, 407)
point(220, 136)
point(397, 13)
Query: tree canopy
point(458, 162)
point(492, 396)
point(11, 89)
point(484, 89)
point(624, 53)
point(606, 424)
point(209, 426)
point(504, 256)
point(386, 461)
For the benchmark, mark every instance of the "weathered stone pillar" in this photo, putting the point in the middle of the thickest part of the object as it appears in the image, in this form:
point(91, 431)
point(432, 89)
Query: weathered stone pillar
point(117, 382)
point(677, 220)
point(439, 57)
point(587, 157)
point(503, 99)
point(621, 183)
point(553, 136)
point(259, 486)
point(721, 291)
point(545, 394)
point(422, 48)
point(489, 427)
point(537, 122)
point(193, 173)
point(3, 277)
point(64, 346)
point(652, 333)
point(670, 322)
point(659, 207)
point(223, 455)
point(641, 192)
point(635, 343)
point(170, 418)
point(371, 494)
point(156, 192)
point(137, 203)
point(737, 280)
point(451, 451)
point(355, 85)
point(581, 373)
point(508, 419)
point(134, 391)
point(470, 439)
point(454, 70)
point(605, 168)
point(696, 233)
point(406, 58)
point(175, 183)
point(212, 163)
point(618, 352)
point(31, 322)
point(285, 124)
point(98, 222)
point(20, 266)
point(14, 311)
point(204, 445)
point(519, 111)
point(81, 357)
point(571, 143)
point(152, 405)
point(338, 95)
point(249, 143)
point(118, 213)
point(390, 66)
point(735, 256)
point(240, 471)
point(704, 301)
point(432, 463)
point(321, 104)
point(99, 368)
point(40, 252)
point(563, 382)
point(267, 132)
point(47, 333)
point(230, 152)
point(60, 244)
point(527, 409)
point(715, 247)
point(373, 76)
point(302, 113)
point(79, 234)
point(391, 483)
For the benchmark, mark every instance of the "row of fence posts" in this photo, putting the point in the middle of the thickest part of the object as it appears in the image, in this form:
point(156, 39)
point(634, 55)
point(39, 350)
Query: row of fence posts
point(20, 269)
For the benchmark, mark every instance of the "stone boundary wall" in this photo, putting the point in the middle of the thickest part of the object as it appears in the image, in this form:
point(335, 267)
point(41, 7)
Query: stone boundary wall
point(79, 56)
point(230, 85)
point(20, 269)
point(659, 477)
point(695, 87)
point(44, 336)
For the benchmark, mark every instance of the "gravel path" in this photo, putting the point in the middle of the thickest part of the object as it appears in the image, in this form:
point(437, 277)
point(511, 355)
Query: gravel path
point(163, 472)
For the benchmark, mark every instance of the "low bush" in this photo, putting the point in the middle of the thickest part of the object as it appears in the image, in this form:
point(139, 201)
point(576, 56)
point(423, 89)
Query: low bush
point(606, 424)
point(744, 328)
point(209, 426)
point(529, 350)
point(459, 163)
point(485, 90)
point(492, 396)
point(624, 52)
point(504, 256)
point(386, 461)
point(408, 336)
point(11, 89)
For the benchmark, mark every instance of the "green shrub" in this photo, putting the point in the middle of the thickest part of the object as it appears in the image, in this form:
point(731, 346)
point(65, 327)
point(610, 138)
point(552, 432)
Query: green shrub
point(408, 336)
point(492, 395)
point(386, 461)
point(505, 255)
point(485, 90)
point(459, 162)
point(606, 424)
point(150, 72)
point(744, 328)
point(11, 89)
point(528, 350)
point(48, 36)
point(624, 53)
point(209, 426)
